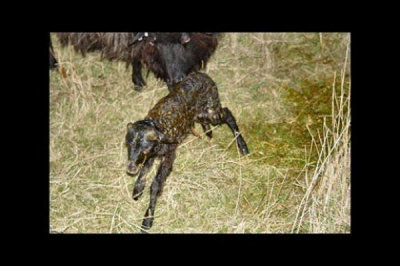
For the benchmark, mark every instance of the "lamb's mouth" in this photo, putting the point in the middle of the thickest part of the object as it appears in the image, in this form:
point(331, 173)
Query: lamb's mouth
point(132, 169)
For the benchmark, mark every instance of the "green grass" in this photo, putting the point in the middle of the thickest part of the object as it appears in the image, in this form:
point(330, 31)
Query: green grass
point(289, 93)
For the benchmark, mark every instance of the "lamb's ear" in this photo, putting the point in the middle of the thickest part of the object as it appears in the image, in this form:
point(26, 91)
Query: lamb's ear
point(152, 136)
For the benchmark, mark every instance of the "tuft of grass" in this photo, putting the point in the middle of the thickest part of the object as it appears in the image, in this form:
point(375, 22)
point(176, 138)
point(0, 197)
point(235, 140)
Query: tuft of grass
point(291, 108)
point(325, 206)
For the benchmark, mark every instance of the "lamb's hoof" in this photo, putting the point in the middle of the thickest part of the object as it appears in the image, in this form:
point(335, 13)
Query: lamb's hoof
point(143, 231)
point(243, 148)
point(135, 196)
point(147, 224)
point(244, 151)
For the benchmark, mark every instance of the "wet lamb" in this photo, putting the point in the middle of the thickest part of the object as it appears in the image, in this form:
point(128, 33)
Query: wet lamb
point(194, 99)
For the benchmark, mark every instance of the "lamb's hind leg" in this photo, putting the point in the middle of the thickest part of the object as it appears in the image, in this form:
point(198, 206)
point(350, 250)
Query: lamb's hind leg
point(230, 120)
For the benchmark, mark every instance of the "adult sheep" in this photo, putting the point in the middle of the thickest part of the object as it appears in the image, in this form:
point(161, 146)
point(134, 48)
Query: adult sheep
point(171, 56)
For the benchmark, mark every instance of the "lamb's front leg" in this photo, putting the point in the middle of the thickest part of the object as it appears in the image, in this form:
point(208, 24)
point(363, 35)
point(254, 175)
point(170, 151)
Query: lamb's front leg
point(141, 182)
point(156, 188)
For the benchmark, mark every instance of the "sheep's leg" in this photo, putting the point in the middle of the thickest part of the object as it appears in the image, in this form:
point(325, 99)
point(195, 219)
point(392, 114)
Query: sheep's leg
point(137, 78)
point(140, 182)
point(156, 189)
point(207, 130)
point(230, 120)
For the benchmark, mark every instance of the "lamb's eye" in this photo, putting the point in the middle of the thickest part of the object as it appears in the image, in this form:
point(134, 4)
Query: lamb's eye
point(147, 150)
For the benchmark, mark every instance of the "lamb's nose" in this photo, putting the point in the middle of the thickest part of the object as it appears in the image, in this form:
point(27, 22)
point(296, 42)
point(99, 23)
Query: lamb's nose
point(131, 168)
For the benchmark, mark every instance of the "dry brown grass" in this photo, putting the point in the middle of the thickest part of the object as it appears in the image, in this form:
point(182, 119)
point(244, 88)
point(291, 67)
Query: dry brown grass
point(212, 187)
point(326, 204)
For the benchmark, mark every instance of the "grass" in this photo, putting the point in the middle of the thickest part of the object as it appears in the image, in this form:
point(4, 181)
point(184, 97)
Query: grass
point(290, 94)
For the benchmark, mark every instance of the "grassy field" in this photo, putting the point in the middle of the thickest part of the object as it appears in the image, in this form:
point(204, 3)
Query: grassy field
point(290, 94)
